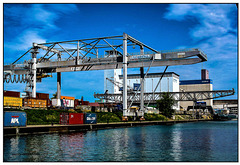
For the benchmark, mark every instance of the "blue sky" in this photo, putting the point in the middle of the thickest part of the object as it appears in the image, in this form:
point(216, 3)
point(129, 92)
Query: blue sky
point(210, 27)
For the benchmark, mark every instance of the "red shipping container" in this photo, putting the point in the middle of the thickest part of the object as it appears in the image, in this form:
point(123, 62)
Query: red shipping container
point(76, 118)
point(11, 93)
point(75, 103)
point(42, 95)
point(64, 118)
point(85, 102)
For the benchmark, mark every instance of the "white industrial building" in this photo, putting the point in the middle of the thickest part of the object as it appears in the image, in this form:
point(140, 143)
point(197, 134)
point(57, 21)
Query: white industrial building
point(169, 82)
point(112, 74)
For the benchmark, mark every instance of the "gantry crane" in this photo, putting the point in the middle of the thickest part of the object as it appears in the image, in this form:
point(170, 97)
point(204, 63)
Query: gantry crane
point(87, 54)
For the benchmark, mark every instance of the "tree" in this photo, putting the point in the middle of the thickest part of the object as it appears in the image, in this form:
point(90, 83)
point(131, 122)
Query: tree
point(165, 105)
point(54, 96)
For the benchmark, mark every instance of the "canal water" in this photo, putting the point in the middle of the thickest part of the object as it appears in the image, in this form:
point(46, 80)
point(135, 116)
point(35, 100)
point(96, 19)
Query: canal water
point(196, 142)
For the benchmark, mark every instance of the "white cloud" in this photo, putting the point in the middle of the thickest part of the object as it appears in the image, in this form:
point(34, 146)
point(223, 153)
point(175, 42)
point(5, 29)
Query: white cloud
point(25, 40)
point(31, 23)
point(213, 19)
point(214, 31)
point(219, 48)
point(178, 12)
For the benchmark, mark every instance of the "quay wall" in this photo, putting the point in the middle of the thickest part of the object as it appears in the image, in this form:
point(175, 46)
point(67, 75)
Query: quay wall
point(39, 129)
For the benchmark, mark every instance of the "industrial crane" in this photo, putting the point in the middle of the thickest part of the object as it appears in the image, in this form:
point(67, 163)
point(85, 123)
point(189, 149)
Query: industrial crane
point(119, 85)
point(85, 55)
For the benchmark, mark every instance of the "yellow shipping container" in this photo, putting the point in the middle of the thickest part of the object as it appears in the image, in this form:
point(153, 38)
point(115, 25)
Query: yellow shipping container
point(12, 101)
point(35, 103)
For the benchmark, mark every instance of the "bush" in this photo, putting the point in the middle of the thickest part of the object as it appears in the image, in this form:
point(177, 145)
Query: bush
point(154, 117)
point(104, 117)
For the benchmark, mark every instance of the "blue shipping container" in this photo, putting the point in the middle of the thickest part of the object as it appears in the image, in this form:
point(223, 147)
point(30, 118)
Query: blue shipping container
point(14, 119)
point(90, 118)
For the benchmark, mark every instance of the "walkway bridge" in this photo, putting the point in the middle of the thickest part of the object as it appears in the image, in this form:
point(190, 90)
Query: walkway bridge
point(177, 96)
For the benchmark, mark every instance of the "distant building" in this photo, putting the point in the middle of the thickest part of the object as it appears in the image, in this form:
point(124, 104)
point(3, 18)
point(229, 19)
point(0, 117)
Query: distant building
point(196, 85)
point(169, 83)
point(112, 74)
point(204, 74)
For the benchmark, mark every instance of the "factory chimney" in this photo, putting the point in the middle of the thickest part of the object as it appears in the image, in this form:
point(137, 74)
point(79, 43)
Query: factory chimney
point(204, 74)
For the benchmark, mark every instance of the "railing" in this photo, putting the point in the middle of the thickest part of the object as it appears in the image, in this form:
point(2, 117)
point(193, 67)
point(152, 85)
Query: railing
point(133, 54)
point(178, 50)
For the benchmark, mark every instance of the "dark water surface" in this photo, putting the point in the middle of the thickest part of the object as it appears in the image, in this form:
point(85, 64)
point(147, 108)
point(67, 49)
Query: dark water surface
point(200, 141)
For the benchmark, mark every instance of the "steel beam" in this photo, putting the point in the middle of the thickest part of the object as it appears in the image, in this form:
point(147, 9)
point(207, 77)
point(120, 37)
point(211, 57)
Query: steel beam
point(178, 96)
point(142, 80)
point(140, 43)
point(118, 65)
point(59, 74)
point(124, 74)
point(87, 39)
point(34, 70)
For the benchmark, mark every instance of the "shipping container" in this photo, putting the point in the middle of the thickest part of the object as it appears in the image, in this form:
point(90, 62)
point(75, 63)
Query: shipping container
point(76, 118)
point(67, 103)
point(11, 93)
point(63, 103)
point(68, 97)
point(42, 95)
point(77, 104)
point(85, 102)
point(12, 101)
point(48, 102)
point(64, 118)
point(34, 103)
point(14, 119)
point(90, 118)
point(56, 102)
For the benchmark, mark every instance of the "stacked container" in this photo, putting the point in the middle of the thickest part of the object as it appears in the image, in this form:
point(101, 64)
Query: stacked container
point(44, 96)
point(12, 102)
point(90, 118)
point(64, 118)
point(11, 93)
point(14, 119)
point(71, 118)
point(63, 103)
point(77, 118)
point(34, 103)
point(12, 99)
point(67, 97)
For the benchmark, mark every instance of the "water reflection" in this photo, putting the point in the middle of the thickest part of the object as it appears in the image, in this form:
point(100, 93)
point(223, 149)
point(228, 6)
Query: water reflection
point(208, 141)
point(176, 142)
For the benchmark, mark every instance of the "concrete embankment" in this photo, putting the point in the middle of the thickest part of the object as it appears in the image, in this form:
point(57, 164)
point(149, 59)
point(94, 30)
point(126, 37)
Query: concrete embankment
point(39, 129)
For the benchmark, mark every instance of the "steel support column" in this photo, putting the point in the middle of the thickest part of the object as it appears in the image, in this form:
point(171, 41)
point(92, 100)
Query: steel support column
point(59, 81)
point(34, 69)
point(142, 80)
point(124, 74)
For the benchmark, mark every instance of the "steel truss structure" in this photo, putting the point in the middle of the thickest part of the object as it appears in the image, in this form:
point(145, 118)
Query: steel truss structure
point(89, 54)
point(178, 96)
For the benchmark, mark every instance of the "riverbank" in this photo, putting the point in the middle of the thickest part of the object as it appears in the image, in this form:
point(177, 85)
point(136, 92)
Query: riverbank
point(56, 128)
